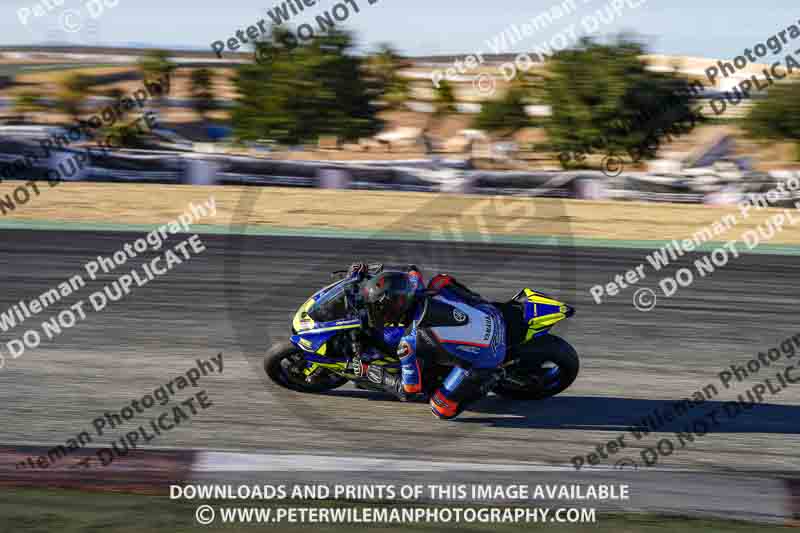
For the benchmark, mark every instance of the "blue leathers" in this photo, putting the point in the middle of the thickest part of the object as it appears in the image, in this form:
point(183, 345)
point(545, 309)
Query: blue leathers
point(400, 335)
point(407, 352)
point(407, 347)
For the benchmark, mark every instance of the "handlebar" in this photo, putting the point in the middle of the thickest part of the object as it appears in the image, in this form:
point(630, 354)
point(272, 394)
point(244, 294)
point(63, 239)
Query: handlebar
point(372, 269)
point(351, 290)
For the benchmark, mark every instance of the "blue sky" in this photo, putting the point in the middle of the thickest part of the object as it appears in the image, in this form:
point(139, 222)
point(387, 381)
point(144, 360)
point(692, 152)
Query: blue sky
point(702, 28)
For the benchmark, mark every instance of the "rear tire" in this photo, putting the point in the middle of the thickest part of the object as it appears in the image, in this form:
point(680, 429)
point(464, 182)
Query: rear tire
point(279, 367)
point(547, 349)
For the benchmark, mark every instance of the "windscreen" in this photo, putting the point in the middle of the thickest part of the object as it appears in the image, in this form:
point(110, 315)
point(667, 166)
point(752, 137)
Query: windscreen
point(331, 305)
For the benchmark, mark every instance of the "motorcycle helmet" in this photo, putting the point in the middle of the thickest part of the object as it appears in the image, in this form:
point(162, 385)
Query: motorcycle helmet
point(388, 296)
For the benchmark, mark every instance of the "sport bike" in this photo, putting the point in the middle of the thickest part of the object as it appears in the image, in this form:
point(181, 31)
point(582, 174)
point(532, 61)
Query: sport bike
point(328, 341)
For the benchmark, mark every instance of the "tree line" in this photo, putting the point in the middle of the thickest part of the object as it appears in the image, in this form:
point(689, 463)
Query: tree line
point(594, 91)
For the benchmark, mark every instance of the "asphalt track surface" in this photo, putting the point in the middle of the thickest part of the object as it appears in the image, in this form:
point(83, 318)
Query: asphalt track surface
point(238, 297)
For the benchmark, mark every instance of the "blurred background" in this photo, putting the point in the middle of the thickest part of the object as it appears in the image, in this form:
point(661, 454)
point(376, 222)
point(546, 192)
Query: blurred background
point(548, 144)
point(506, 124)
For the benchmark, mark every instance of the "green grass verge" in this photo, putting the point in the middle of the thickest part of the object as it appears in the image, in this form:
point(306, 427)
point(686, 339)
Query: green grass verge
point(72, 511)
point(336, 233)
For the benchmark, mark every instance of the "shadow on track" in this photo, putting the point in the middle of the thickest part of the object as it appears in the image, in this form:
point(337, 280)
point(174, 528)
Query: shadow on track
point(622, 414)
point(611, 414)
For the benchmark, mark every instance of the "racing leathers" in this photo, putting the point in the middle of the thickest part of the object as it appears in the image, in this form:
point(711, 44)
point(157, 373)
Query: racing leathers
point(400, 334)
point(392, 327)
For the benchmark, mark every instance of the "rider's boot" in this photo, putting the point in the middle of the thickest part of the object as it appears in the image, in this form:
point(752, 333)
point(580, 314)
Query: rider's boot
point(460, 389)
point(391, 383)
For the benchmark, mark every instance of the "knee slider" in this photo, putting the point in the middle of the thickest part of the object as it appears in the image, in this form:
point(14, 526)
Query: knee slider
point(443, 407)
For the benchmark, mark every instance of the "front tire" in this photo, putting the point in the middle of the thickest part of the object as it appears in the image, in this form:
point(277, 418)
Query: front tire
point(548, 366)
point(284, 364)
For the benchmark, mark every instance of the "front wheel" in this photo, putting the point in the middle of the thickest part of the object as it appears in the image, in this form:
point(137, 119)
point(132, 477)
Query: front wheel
point(285, 365)
point(546, 367)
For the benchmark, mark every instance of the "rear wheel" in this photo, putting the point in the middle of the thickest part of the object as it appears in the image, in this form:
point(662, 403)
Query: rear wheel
point(547, 367)
point(285, 365)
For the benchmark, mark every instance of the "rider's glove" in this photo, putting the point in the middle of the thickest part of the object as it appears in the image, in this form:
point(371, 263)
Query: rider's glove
point(358, 270)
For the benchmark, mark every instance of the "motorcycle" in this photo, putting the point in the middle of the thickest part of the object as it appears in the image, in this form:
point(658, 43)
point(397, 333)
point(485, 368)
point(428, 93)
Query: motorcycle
point(327, 343)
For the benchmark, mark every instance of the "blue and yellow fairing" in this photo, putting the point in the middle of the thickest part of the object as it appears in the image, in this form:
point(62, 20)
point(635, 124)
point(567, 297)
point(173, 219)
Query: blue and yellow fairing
point(542, 312)
point(312, 337)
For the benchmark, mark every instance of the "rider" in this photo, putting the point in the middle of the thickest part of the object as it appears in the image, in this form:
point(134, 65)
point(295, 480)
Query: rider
point(398, 298)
